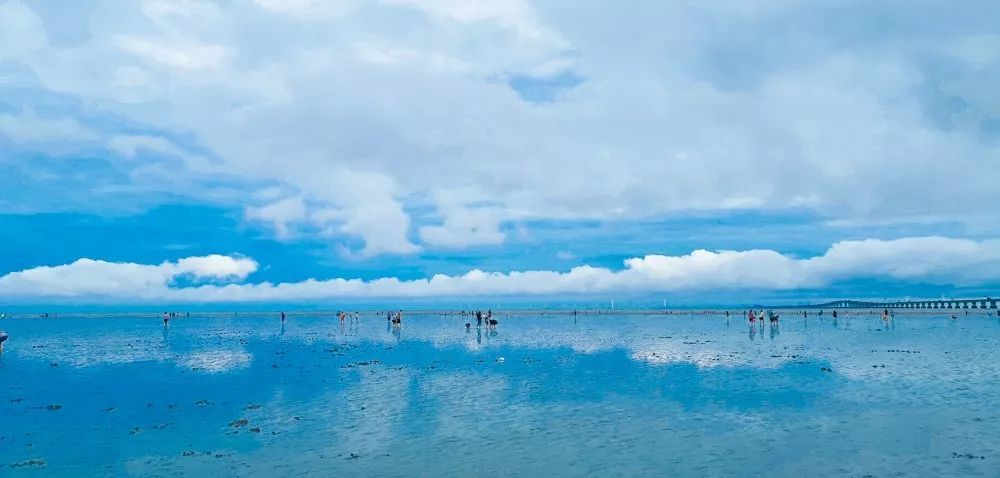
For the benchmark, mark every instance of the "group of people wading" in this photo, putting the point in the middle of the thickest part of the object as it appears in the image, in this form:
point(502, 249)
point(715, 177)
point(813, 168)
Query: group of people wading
point(487, 318)
point(395, 318)
point(759, 317)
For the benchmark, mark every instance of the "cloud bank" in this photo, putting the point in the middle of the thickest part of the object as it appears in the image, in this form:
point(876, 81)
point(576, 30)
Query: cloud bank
point(93, 278)
point(934, 260)
point(397, 126)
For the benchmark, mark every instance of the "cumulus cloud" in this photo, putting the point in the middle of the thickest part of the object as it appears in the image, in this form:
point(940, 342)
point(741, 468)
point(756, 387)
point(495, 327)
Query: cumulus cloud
point(280, 214)
point(213, 266)
point(364, 118)
point(463, 227)
point(941, 261)
point(88, 278)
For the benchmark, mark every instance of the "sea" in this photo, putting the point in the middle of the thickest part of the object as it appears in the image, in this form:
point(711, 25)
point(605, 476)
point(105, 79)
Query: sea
point(541, 394)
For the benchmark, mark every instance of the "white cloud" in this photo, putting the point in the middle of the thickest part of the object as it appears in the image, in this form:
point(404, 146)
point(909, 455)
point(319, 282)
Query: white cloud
point(213, 266)
point(95, 278)
point(129, 145)
point(465, 226)
point(565, 255)
point(182, 54)
point(20, 30)
point(28, 127)
point(936, 260)
point(365, 108)
point(514, 14)
point(279, 214)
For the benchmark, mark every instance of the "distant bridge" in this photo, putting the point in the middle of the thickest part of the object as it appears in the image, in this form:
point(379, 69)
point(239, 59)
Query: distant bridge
point(987, 303)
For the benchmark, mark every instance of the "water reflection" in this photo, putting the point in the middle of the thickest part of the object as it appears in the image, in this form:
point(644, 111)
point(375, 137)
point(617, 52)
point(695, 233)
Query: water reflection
point(566, 399)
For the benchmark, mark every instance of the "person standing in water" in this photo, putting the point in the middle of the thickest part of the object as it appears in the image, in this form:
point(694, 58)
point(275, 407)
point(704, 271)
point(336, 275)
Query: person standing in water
point(166, 319)
point(3, 338)
point(282, 317)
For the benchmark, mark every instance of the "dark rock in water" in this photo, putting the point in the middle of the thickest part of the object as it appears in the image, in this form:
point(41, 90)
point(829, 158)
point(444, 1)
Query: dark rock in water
point(172, 406)
point(134, 431)
point(16, 400)
point(53, 364)
point(54, 407)
point(968, 456)
point(252, 406)
point(242, 422)
point(161, 426)
point(353, 456)
point(826, 369)
point(33, 462)
point(109, 409)
point(255, 429)
point(202, 403)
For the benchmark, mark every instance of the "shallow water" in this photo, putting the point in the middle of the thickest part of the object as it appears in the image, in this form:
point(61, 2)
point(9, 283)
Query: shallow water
point(592, 395)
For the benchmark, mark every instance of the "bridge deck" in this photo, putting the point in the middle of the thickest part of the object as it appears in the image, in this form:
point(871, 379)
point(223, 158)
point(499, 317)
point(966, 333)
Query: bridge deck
point(984, 303)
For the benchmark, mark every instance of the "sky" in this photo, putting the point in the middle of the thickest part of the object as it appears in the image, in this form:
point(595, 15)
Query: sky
point(307, 151)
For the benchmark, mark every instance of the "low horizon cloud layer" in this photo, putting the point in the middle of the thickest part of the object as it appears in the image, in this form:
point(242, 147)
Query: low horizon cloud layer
point(220, 278)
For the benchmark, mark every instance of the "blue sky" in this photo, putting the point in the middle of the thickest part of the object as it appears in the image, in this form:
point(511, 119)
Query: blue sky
point(811, 148)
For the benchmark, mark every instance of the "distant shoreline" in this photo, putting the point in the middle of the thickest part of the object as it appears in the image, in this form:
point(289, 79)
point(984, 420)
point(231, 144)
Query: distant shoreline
point(787, 311)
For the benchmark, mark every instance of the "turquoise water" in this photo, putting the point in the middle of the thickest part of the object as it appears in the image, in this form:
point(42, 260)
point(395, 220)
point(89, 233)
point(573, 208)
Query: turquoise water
point(553, 395)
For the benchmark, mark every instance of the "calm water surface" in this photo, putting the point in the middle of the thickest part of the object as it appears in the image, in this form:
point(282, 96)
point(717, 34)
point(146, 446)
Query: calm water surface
point(542, 396)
